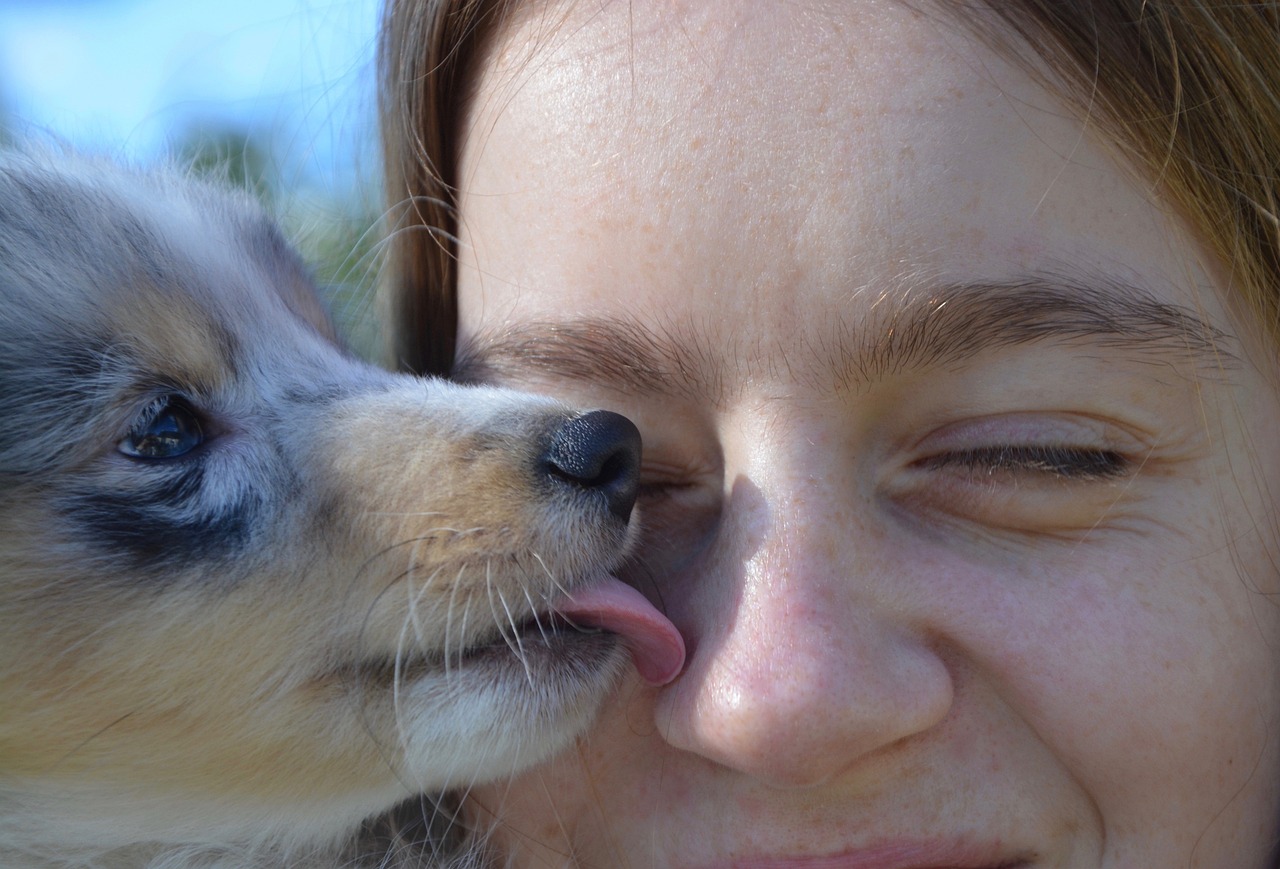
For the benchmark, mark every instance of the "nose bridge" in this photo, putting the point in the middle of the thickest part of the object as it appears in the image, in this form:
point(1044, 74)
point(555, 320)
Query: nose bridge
point(807, 533)
point(820, 663)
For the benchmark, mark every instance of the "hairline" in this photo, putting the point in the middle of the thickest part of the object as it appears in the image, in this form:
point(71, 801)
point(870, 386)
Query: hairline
point(1009, 35)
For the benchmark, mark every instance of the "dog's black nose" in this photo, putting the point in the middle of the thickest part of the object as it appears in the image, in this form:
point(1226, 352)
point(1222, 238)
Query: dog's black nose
point(598, 452)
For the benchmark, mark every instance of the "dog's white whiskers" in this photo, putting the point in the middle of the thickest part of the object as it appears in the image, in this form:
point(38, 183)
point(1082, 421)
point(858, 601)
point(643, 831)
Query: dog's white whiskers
point(489, 596)
point(537, 615)
point(414, 606)
point(466, 618)
point(551, 576)
point(451, 634)
point(397, 682)
point(505, 620)
point(515, 632)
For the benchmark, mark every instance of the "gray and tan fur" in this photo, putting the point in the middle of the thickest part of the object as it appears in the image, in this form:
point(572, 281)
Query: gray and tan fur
point(254, 593)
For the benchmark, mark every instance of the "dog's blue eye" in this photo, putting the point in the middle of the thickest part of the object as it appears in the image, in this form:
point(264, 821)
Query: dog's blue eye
point(165, 430)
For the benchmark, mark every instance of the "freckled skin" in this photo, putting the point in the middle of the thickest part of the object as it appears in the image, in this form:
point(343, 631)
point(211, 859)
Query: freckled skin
point(890, 604)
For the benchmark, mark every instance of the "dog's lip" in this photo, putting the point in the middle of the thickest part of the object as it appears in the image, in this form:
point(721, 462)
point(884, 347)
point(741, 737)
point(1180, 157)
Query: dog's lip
point(609, 604)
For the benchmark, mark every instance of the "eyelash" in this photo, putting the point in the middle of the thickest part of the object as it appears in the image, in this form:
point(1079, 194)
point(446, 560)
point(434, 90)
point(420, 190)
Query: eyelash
point(660, 489)
point(1075, 464)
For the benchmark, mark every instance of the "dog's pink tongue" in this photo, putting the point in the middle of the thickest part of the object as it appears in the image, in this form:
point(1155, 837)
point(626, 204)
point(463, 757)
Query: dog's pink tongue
point(611, 605)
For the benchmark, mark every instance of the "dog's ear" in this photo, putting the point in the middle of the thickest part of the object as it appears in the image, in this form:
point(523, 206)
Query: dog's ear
point(286, 273)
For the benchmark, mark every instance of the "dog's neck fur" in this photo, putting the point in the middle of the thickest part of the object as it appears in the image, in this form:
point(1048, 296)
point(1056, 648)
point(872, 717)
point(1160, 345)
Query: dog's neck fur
point(418, 834)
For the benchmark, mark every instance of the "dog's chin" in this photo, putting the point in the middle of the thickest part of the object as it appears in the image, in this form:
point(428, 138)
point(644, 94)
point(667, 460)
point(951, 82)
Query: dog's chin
point(498, 706)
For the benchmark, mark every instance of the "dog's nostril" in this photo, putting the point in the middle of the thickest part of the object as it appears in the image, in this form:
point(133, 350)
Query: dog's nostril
point(599, 452)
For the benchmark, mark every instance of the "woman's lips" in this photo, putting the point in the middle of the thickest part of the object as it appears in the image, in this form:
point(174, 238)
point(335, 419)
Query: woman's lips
point(894, 855)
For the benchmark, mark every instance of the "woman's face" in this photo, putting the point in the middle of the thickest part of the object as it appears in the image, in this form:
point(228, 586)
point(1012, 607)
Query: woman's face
point(956, 481)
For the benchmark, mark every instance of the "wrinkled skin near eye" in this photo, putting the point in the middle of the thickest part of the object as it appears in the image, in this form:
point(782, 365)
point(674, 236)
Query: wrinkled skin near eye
point(166, 429)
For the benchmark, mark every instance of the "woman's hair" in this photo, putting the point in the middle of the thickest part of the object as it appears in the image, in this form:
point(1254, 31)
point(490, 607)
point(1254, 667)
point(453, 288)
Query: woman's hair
point(1189, 90)
point(426, 52)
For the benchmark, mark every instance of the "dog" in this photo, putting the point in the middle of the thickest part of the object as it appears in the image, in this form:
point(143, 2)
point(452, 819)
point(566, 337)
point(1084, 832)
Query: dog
point(262, 603)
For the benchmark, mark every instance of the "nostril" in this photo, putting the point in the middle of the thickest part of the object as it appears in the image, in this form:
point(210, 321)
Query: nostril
point(598, 452)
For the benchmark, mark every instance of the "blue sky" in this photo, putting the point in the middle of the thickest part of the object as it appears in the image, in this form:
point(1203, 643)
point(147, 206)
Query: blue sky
point(127, 76)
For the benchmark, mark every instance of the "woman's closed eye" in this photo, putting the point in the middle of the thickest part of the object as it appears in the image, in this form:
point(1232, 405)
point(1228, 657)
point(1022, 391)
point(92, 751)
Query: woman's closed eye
point(1033, 473)
point(1066, 462)
point(679, 511)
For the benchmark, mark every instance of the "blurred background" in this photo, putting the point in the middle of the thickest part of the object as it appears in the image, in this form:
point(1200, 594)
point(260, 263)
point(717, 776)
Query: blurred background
point(277, 96)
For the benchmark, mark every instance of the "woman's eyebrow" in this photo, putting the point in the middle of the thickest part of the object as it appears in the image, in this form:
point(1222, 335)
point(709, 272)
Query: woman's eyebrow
point(958, 321)
point(902, 331)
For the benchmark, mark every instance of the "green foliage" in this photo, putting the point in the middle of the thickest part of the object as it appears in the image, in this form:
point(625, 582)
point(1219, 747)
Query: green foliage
point(341, 242)
point(230, 156)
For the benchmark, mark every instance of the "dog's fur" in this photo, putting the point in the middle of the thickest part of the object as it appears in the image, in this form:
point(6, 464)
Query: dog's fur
point(236, 655)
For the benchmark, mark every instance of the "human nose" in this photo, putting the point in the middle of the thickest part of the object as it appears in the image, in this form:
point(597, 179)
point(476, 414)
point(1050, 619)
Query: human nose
point(805, 656)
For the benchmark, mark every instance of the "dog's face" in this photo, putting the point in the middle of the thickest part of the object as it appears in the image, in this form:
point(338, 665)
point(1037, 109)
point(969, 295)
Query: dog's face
point(245, 578)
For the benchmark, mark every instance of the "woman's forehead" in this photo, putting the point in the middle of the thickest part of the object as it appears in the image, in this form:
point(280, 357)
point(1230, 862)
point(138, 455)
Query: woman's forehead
point(753, 149)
